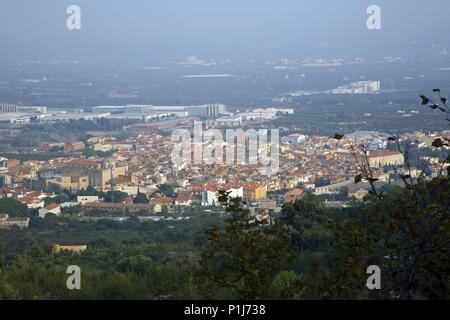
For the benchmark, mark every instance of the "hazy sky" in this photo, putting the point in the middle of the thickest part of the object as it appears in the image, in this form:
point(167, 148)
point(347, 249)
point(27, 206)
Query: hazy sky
point(169, 29)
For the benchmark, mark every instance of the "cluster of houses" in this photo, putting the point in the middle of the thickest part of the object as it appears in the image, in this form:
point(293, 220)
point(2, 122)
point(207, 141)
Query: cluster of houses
point(206, 194)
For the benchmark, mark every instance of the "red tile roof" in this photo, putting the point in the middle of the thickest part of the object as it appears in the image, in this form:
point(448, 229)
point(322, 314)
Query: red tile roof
point(251, 186)
point(52, 206)
point(184, 196)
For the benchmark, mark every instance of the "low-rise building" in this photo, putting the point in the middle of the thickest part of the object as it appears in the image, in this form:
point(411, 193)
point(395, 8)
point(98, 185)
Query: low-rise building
point(223, 122)
point(51, 208)
point(184, 198)
point(254, 191)
point(56, 248)
point(210, 196)
point(7, 223)
point(383, 158)
point(32, 203)
point(74, 146)
point(293, 195)
point(87, 199)
point(70, 180)
point(121, 208)
point(294, 138)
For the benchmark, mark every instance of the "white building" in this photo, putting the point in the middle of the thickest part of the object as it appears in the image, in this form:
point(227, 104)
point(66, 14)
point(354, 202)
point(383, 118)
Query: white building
point(211, 197)
point(87, 199)
point(228, 121)
point(51, 208)
point(294, 138)
point(360, 87)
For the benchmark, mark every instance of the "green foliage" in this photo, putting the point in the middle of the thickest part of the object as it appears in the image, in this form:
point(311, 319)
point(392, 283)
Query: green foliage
point(140, 198)
point(2, 255)
point(90, 191)
point(167, 190)
point(288, 285)
point(90, 152)
point(61, 198)
point(124, 260)
point(13, 207)
point(305, 223)
point(406, 235)
point(241, 261)
point(118, 196)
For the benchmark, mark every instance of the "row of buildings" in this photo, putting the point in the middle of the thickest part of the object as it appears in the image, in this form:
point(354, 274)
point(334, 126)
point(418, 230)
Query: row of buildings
point(258, 115)
point(360, 87)
point(7, 222)
point(146, 113)
point(207, 194)
point(143, 163)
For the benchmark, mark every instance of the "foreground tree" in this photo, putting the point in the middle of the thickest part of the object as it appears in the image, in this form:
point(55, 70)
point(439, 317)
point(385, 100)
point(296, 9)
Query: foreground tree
point(242, 261)
point(304, 223)
point(13, 207)
point(405, 233)
point(407, 237)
